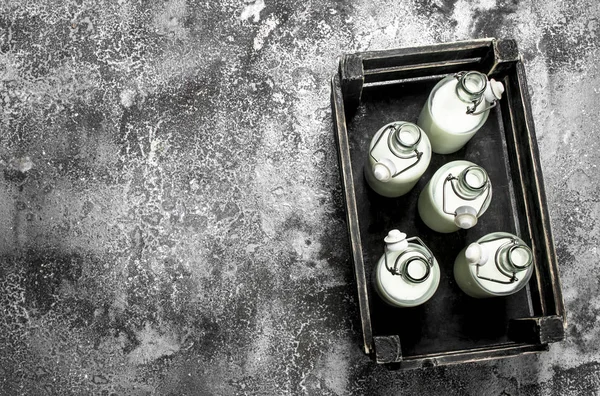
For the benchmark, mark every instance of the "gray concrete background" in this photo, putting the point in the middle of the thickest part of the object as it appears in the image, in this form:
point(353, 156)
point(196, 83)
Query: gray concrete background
point(171, 214)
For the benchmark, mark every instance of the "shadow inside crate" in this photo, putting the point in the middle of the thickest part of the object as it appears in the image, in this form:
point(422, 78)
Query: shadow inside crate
point(450, 320)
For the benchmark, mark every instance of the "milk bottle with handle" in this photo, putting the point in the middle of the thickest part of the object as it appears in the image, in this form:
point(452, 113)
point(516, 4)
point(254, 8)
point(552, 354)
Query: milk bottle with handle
point(498, 264)
point(398, 156)
point(456, 196)
point(407, 274)
point(457, 108)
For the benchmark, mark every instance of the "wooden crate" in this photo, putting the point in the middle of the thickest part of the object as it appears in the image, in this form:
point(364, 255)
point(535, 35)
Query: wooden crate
point(373, 88)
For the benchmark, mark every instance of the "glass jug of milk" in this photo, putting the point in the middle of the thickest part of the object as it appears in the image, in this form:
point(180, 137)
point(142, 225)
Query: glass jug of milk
point(456, 108)
point(455, 197)
point(399, 154)
point(498, 264)
point(407, 274)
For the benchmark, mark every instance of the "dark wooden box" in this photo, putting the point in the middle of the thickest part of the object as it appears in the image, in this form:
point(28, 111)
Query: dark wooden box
point(376, 87)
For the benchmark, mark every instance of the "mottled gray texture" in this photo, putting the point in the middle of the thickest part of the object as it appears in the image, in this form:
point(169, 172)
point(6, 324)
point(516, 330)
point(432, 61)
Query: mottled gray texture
point(172, 216)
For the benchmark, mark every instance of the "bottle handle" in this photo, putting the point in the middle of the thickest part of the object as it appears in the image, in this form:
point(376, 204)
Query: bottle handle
point(473, 112)
point(450, 178)
point(416, 153)
point(403, 272)
point(512, 277)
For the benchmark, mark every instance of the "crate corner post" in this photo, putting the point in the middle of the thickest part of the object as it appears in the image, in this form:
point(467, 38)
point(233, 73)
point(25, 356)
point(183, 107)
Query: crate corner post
point(352, 79)
point(387, 349)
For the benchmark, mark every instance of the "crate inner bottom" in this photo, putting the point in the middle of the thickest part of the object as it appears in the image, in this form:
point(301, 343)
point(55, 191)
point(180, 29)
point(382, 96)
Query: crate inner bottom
point(450, 320)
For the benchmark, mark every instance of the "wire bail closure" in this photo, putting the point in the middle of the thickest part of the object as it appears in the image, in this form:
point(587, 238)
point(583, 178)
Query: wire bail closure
point(473, 112)
point(475, 97)
point(508, 248)
point(404, 271)
point(484, 186)
point(394, 131)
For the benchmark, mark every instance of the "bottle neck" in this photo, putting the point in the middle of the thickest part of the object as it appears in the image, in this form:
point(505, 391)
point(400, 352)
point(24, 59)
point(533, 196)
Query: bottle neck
point(416, 270)
point(471, 86)
point(413, 263)
point(404, 139)
point(472, 182)
point(515, 257)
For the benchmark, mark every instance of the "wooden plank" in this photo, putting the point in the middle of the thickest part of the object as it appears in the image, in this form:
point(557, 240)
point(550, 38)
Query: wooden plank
point(529, 174)
point(351, 210)
point(512, 115)
point(540, 330)
point(488, 56)
point(420, 70)
point(513, 119)
point(426, 54)
point(468, 356)
point(542, 227)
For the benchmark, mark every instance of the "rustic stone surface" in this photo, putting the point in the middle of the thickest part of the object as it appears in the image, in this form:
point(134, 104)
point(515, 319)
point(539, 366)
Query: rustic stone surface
point(172, 213)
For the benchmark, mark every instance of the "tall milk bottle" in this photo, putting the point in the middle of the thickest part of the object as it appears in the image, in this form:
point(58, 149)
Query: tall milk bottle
point(407, 274)
point(498, 264)
point(456, 108)
point(399, 154)
point(455, 197)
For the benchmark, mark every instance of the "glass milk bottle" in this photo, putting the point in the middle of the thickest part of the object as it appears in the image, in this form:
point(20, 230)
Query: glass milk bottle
point(455, 197)
point(498, 264)
point(456, 108)
point(399, 154)
point(407, 274)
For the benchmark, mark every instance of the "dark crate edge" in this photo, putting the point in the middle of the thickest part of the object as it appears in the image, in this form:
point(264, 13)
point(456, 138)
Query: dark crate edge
point(468, 356)
point(341, 137)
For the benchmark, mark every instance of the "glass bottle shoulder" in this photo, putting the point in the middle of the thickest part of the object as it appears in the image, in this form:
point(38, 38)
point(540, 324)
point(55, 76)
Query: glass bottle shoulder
point(450, 112)
point(379, 148)
point(454, 168)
